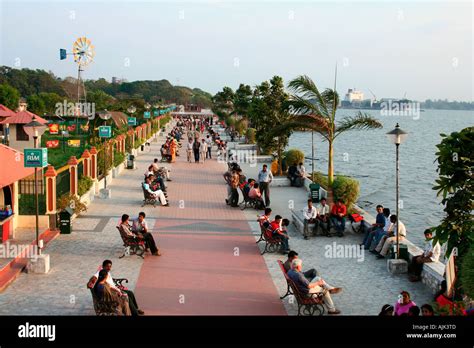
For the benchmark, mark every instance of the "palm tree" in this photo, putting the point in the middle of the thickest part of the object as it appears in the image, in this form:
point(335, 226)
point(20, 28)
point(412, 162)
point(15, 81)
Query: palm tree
point(316, 111)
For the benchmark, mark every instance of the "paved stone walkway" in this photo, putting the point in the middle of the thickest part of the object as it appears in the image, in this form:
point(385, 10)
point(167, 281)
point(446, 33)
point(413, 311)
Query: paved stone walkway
point(198, 273)
point(367, 284)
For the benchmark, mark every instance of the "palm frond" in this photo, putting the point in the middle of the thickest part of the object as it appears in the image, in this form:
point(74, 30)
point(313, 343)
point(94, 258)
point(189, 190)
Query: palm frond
point(308, 122)
point(358, 122)
point(304, 87)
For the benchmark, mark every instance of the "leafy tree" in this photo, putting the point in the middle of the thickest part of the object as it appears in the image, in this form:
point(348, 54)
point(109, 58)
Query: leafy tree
point(9, 96)
point(455, 159)
point(242, 100)
point(36, 104)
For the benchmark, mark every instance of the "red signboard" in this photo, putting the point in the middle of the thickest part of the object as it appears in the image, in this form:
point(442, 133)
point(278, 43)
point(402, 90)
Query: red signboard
point(53, 128)
point(52, 144)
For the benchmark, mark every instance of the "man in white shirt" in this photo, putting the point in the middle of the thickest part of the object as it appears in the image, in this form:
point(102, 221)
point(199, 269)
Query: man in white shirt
point(391, 238)
point(209, 146)
point(189, 149)
point(309, 214)
point(431, 253)
point(322, 219)
point(157, 194)
point(301, 174)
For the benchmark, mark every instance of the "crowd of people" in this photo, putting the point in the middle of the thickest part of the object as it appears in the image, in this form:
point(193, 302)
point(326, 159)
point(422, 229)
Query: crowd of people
point(405, 306)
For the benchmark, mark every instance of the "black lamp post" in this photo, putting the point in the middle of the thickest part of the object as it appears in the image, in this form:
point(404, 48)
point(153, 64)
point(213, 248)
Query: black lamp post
point(35, 129)
point(397, 136)
point(105, 115)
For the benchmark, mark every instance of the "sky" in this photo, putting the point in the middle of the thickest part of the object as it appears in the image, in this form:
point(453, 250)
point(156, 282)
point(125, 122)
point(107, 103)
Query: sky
point(420, 49)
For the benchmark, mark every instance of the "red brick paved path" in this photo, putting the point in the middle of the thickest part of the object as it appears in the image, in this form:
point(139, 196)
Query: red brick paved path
point(199, 273)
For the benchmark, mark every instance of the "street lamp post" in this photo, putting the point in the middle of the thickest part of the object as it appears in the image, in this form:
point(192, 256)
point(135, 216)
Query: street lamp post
point(397, 136)
point(35, 129)
point(105, 115)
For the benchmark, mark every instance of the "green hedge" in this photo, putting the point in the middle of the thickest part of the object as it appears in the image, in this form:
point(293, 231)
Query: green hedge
point(293, 156)
point(118, 158)
point(321, 179)
point(27, 204)
point(347, 189)
point(467, 273)
point(83, 185)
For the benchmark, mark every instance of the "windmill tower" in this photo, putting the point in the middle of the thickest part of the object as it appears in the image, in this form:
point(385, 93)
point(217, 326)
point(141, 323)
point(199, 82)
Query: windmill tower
point(83, 52)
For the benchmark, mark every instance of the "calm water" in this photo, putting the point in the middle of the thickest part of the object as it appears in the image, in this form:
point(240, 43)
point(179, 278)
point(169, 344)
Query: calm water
point(369, 157)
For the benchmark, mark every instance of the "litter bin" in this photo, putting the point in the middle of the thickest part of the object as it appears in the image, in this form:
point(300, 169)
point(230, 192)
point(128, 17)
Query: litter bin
point(403, 252)
point(142, 147)
point(65, 221)
point(314, 192)
point(130, 161)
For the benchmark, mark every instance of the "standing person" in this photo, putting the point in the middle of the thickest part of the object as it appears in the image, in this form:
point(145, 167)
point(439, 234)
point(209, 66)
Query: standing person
point(203, 151)
point(173, 146)
point(234, 184)
point(209, 147)
point(196, 149)
point(265, 177)
point(189, 149)
point(309, 214)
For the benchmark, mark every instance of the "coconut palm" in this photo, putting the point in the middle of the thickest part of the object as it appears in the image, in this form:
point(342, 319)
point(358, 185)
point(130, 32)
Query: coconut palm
point(316, 111)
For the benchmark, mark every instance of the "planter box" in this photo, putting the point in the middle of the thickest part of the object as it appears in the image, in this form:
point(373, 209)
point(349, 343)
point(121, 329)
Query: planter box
point(89, 196)
point(117, 170)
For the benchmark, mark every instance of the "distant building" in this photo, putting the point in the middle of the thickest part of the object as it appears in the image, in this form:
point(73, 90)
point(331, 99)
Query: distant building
point(353, 95)
point(16, 135)
point(118, 81)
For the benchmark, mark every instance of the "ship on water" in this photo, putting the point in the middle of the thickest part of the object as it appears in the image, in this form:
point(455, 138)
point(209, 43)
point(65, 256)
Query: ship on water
point(354, 99)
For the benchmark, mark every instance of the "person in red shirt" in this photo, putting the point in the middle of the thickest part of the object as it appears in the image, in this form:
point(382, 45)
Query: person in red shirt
point(279, 230)
point(338, 220)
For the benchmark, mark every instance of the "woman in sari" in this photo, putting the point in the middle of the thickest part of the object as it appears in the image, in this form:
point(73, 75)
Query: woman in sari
point(173, 150)
point(104, 291)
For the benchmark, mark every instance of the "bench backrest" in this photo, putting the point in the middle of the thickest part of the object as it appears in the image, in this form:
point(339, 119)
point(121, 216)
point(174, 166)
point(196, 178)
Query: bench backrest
point(123, 235)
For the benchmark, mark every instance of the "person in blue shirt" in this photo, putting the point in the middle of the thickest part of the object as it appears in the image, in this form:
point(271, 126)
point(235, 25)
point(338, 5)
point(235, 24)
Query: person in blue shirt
point(379, 223)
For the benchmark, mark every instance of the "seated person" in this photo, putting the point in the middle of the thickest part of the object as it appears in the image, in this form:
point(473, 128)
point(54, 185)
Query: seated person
point(338, 220)
point(103, 291)
point(140, 227)
point(292, 174)
point(430, 254)
point(257, 196)
point(309, 217)
point(157, 194)
point(248, 186)
point(322, 219)
point(374, 237)
point(309, 274)
point(165, 155)
point(163, 172)
point(318, 286)
point(279, 231)
point(132, 302)
point(379, 223)
point(264, 220)
point(300, 175)
point(391, 238)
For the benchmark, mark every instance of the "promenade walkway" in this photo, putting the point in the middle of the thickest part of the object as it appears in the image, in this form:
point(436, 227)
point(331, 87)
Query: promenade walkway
point(210, 263)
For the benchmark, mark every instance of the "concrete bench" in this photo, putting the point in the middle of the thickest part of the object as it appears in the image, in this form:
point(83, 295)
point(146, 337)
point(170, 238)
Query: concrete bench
point(433, 272)
point(298, 221)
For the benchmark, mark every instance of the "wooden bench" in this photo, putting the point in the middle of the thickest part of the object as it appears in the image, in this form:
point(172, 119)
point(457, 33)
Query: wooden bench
point(272, 244)
point(107, 308)
point(309, 304)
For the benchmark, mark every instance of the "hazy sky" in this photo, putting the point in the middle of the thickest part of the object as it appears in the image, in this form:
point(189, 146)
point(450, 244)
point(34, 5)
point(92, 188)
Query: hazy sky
point(423, 49)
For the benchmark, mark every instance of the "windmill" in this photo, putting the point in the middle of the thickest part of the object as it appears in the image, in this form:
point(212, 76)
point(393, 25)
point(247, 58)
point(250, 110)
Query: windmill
point(83, 53)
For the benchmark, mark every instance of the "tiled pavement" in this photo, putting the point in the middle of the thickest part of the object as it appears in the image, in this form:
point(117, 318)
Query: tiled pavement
point(187, 236)
point(367, 285)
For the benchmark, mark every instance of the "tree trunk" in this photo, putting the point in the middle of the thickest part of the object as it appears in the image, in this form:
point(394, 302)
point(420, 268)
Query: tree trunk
point(330, 163)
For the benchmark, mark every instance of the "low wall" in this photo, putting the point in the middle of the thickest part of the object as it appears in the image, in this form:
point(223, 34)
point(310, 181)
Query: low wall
point(29, 221)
